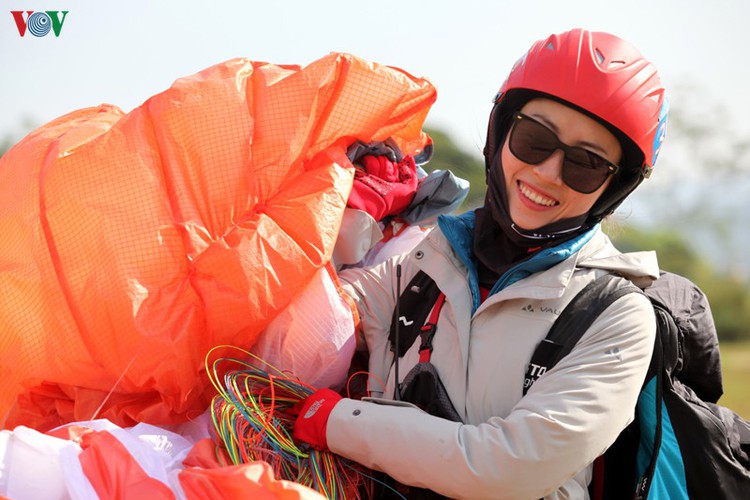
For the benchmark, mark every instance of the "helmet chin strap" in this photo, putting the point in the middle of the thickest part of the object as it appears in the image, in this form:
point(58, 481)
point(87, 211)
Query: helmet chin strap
point(542, 236)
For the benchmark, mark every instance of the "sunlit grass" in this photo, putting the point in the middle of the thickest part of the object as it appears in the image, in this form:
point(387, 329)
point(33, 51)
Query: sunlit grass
point(735, 361)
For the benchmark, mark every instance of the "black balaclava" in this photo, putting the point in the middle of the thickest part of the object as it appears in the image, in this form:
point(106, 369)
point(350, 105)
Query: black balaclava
point(498, 242)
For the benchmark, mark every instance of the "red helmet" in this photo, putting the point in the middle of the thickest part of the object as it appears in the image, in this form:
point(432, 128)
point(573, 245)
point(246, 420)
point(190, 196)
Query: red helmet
point(604, 76)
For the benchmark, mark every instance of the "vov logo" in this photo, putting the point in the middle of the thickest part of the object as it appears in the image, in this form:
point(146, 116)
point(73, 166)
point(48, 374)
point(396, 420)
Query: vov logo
point(39, 23)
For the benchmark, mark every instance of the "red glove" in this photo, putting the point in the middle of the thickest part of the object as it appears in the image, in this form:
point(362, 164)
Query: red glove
point(382, 187)
point(310, 426)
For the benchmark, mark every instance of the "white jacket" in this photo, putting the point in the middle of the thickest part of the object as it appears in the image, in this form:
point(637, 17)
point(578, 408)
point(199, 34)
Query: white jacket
point(510, 446)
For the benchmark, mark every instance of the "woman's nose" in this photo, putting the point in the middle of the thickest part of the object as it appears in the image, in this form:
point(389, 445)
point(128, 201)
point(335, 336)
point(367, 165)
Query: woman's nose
point(550, 170)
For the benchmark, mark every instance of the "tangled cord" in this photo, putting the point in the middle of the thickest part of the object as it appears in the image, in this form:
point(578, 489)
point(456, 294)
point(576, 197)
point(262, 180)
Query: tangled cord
point(254, 413)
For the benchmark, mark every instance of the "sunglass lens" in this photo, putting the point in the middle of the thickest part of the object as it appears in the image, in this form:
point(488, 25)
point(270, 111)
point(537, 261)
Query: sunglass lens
point(583, 170)
point(531, 142)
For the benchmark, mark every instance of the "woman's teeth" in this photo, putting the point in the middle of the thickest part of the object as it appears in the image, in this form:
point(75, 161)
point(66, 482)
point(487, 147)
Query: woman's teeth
point(536, 197)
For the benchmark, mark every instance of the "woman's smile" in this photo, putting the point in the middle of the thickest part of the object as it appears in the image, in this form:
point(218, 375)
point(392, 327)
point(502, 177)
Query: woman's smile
point(533, 198)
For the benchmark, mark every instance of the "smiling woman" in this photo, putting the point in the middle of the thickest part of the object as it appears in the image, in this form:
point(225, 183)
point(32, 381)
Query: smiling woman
point(576, 126)
point(547, 180)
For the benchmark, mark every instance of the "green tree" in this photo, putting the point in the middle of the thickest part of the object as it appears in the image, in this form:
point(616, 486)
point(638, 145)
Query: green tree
point(448, 156)
point(675, 253)
point(701, 183)
point(728, 295)
point(5, 144)
point(8, 139)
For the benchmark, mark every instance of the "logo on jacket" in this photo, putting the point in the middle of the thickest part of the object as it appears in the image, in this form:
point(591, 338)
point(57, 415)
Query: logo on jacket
point(543, 309)
point(405, 321)
point(533, 373)
point(39, 23)
point(615, 351)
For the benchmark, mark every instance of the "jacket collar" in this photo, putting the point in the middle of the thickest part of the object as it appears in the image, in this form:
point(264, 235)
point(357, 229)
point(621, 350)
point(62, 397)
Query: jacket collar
point(552, 268)
point(459, 233)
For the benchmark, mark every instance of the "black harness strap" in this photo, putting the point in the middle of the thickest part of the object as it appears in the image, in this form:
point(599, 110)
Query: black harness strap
point(573, 322)
point(414, 306)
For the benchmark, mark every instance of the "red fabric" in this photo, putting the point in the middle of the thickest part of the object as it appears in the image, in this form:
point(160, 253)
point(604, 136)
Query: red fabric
point(382, 187)
point(114, 473)
point(425, 351)
point(484, 292)
point(310, 426)
point(206, 455)
point(598, 480)
point(255, 480)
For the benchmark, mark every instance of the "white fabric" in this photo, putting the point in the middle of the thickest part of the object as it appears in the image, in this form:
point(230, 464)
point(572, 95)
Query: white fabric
point(404, 242)
point(30, 465)
point(35, 465)
point(76, 482)
point(313, 338)
point(158, 451)
point(358, 233)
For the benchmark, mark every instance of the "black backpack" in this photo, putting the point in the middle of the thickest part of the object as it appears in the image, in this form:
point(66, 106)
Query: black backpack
point(681, 444)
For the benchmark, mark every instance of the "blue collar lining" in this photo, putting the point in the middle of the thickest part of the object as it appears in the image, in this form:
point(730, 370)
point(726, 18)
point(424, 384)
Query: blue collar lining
point(459, 230)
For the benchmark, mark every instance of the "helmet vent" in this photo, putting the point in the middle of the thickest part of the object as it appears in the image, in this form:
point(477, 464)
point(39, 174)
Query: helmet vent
point(613, 64)
point(550, 46)
point(599, 56)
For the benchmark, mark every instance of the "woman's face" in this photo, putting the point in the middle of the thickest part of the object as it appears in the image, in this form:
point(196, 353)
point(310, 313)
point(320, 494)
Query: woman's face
point(537, 195)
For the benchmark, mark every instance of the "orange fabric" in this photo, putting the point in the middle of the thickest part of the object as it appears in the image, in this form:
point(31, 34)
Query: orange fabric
point(114, 473)
point(133, 243)
point(255, 480)
point(208, 476)
point(206, 455)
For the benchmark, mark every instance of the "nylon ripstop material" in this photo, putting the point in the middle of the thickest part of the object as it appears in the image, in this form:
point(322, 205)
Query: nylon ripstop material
point(134, 242)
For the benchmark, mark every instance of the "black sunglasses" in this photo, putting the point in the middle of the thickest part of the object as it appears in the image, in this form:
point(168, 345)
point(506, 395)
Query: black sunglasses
point(533, 142)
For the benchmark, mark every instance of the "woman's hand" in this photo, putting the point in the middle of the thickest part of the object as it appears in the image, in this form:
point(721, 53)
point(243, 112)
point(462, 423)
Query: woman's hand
point(310, 425)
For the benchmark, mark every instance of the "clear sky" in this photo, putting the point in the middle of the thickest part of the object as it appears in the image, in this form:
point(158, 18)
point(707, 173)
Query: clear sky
point(123, 52)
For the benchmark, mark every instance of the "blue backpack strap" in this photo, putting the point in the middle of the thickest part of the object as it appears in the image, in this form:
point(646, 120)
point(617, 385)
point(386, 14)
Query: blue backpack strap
point(664, 324)
point(573, 322)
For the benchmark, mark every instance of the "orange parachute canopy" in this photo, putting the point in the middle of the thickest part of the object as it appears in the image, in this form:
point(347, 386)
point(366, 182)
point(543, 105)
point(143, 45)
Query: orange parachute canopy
point(133, 243)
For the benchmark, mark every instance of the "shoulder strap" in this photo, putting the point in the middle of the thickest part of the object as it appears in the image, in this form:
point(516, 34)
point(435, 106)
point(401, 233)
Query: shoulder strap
point(428, 330)
point(413, 308)
point(573, 322)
